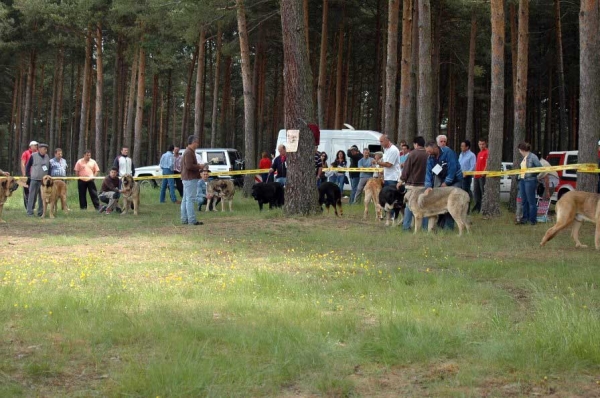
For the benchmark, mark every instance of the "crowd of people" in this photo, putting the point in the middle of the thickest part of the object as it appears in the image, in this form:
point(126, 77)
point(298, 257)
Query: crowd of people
point(428, 165)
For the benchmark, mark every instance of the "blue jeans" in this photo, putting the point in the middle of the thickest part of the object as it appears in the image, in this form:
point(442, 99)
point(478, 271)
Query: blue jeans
point(281, 180)
point(354, 183)
point(163, 187)
point(190, 193)
point(387, 183)
point(339, 180)
point(408, 217)
point(527, 186)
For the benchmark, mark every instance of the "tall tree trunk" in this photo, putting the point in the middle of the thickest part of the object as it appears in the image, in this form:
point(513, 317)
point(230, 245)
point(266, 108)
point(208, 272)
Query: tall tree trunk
point(198, 103)
point(168, 137)
point(249, 100)
point(435, 69)
point(491, 197)
point(414, 73)
point(186, 103)
point(100, 154)
point(214, 128)
point(12, 131)
point(306, 25)
point(375, 123)
point(300, 190)
point(153, 135)
point(322, 67)
point(589, 83)
point(560, 70)
point(116, 103)
point(471, 79)
point(391, 69)
point(128, 133)
point(139, 115)
point(513, 44)
point(226, 104)
point(60, 98)
point(51, 124)
point(339, 74)
point(85, 96)
point(425, 99)
point(520, 94)
point(26, 134)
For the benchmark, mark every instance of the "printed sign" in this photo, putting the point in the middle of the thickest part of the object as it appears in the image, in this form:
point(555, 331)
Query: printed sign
point(293, 136)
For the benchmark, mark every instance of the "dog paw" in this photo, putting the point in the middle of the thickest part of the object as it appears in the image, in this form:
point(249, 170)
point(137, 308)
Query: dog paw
point(581, 245)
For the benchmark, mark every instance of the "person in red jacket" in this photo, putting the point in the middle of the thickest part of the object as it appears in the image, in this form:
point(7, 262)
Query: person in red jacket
point(265, 163)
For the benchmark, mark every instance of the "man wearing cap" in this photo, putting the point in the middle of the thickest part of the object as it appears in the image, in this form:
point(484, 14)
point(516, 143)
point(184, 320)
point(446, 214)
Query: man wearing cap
point(354, 155)
point(33, 147)
point(86, 169)
point(37, 167)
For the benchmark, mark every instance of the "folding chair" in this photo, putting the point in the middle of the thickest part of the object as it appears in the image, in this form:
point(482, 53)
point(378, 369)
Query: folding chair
point(542, 210)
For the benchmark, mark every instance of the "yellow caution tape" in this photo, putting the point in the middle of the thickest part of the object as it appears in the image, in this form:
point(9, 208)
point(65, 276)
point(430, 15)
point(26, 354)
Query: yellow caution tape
point(581, 168)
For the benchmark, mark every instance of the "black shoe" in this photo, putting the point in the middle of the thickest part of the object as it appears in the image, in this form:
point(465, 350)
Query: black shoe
point(198, 223)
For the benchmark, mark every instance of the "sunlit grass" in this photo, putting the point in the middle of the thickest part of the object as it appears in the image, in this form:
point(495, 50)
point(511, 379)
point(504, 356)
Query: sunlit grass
point(254, 304)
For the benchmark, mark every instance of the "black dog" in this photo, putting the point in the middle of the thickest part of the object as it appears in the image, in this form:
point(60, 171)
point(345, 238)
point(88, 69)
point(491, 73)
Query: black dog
point(268, 192)
point(391, 200)
point(330, 195)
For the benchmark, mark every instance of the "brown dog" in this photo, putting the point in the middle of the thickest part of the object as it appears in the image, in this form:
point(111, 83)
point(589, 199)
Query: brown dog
point(439, 201)
point(7, 186)
point(372, 189)
point(222, 188)
point(576, 206)
point(130, 192)
point(52, 190)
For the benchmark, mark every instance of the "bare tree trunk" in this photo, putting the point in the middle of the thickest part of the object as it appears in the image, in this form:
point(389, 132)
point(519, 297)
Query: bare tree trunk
point(249, 100)
point(306, 25)
point(26, 118)
point(589, 100)
point(425, 98)
point(198, 103)
point(338, 81)
point(414, 73)
point(435, 70)
point(87, 70)
point(491, 197)
point(51, 123)
point(139, 115)
point(128, 133)
point(168, 137)
point(323, 67)
point(214, 128)
point(391, 69)
point(186, 102)
point(116, 104)
point(99, 147)
point(226, 104)
point(520, 94)
point(300, 190)
point(375, 122)
point(471, 79)
point(560, 69)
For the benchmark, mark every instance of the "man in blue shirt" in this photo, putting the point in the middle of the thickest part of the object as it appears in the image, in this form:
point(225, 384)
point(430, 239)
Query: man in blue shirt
point(58, 165)
point(467, 160)
point(166, 164)
point(448, 174)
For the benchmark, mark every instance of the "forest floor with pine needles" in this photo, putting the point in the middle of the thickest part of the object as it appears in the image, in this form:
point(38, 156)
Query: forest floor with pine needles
point(257, 304)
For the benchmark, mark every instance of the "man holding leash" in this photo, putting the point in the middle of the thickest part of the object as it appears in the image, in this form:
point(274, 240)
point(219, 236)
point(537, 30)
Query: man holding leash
point(33, 147)
point(390, 161)
point(190, 174)
point(443, 170)
point(37, 167)
point(413, 174)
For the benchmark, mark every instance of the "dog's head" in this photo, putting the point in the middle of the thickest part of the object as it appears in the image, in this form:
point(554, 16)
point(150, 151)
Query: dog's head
point(127, 181)
point(8, 185)
point(47, 181)
point(256, 190)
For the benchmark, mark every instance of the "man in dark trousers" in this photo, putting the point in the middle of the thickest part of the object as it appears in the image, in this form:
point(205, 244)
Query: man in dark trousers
point(354, 155)
point(37, 167)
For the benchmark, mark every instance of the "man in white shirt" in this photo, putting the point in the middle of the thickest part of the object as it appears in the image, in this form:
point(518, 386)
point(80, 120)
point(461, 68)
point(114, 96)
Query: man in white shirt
point(390, 161)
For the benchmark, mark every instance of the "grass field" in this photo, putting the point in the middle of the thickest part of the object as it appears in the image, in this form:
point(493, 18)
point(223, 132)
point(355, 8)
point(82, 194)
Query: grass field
point(253, 304)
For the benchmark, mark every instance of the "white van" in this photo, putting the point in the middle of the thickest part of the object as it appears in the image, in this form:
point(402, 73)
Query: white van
point(340, 140)
point(336, 140)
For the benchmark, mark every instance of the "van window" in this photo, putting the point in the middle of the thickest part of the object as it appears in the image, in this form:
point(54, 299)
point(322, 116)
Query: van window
point(571, 159)
point(236, 160)
point(216, 158)
point(553, 160)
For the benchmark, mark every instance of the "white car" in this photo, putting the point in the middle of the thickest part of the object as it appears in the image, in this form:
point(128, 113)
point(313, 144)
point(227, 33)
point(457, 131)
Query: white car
point(218, 159)
point(505, 183)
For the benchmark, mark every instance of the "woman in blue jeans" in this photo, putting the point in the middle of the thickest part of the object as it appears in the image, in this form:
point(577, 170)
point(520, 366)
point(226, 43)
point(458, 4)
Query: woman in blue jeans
point(340, 161)
point(528, 184)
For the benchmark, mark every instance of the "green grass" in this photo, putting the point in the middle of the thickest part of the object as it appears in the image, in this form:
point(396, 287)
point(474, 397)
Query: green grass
point(255, 304)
